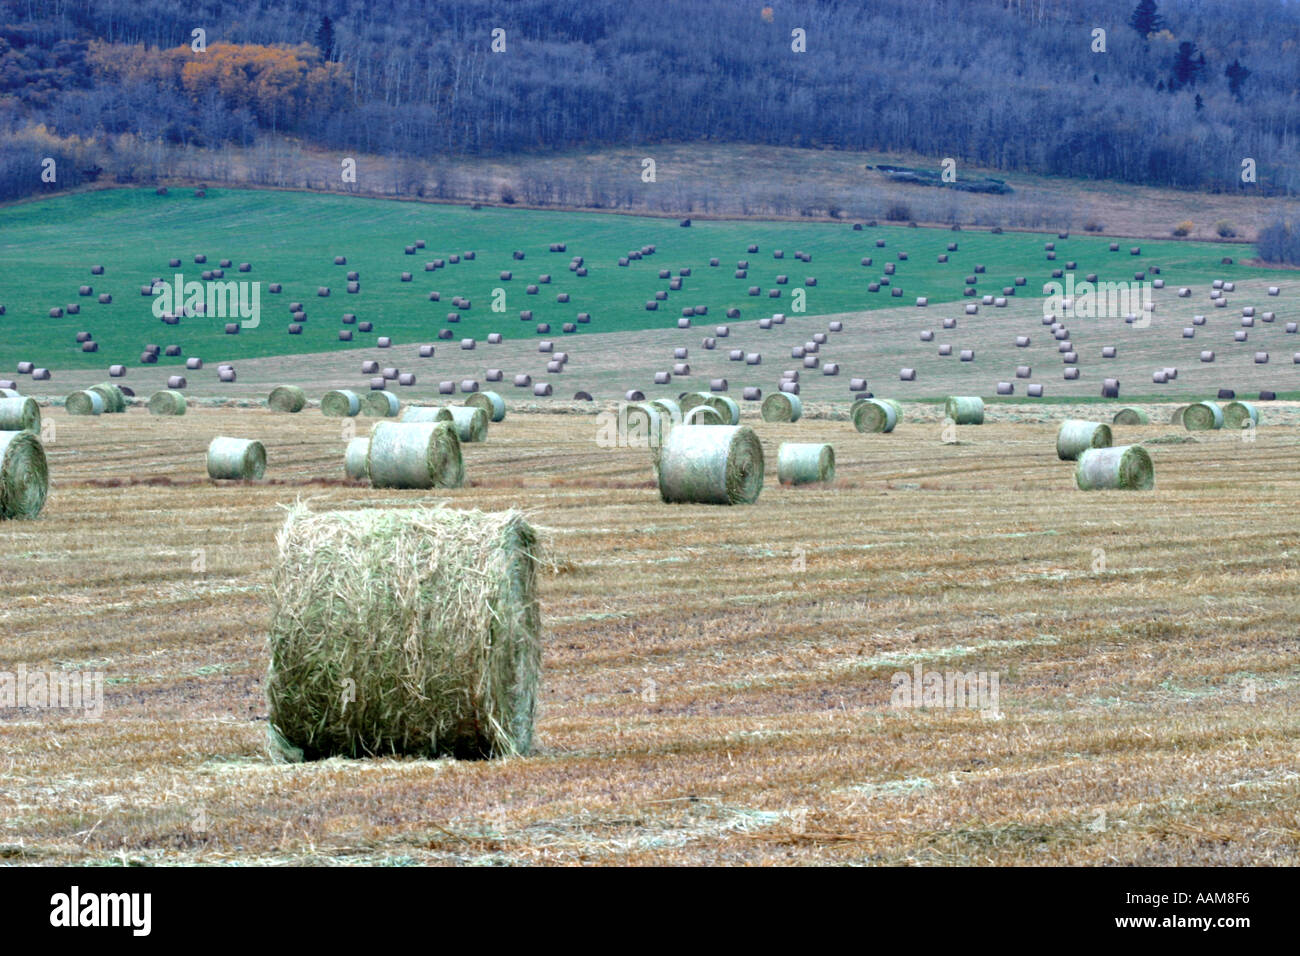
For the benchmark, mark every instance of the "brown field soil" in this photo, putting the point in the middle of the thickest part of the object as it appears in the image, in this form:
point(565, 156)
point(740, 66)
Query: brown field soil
point(717, 681)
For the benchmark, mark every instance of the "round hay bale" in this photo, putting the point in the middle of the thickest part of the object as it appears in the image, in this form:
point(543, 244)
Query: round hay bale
point(1131, 416)
point(24, 475)
point(340, 403)
point(907, 374)
point(1077, 436)
point(238, 459)
point(542, 390)
point(805, 463)
point(711, 465)
point(471, 423)
point(1236, 414)
point(491, 403)
point(781, 407)
point(18, 414)
point(287, 398)
point(355, 459)
point(84, 403)
point(1202, 416)
point(964, 410)
point(420, 453)
point(441, 632)
point(380, 404)
point(874, 415)
point(167, 402)
point(1126, 467)
point(176, 382)
point(226, 374)
point(726, 407)
point(703, 415)
point(113, 396)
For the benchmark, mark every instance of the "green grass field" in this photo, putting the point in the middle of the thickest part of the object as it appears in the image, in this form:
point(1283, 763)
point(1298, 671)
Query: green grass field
point(48, 247)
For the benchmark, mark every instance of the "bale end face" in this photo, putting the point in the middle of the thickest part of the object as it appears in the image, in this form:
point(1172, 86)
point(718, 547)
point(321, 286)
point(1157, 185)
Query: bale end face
point(711, 465)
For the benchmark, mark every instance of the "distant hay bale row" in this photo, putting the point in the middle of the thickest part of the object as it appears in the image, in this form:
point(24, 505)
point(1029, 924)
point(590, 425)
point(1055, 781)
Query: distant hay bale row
point(236, 459)
point(24, 475)
point(711, 465)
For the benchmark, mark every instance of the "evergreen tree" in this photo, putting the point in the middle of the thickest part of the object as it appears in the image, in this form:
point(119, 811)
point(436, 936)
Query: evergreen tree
point(1199, 103)
point(1237, 75)
point(1146, 18)
point(325, 38)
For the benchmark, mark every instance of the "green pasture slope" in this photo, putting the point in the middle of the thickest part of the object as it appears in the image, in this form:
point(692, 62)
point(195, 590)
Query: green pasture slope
point(47, 249)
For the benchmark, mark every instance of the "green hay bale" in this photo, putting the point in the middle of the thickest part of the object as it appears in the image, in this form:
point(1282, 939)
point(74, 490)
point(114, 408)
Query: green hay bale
point(287, 398)
point(1236, 414)
point(20, 415)
point(340, 403)
point(703, 415)
point(471, 423)
point(872, 415)
point(1177, 417)
point(167, 402)
point(236, 459)
point(1131, 416)
point(84, 403)
point(10, 393)
point(24, 475)
point(113, 396)
point(669, 409)
point(490, 402)
point(1077, 436)
point(803, 464)
point(964, 409)
point(1123, 466)
point(720, 465)
point(356, 462)
point(415, 455)
point(726, 408)
point(1202, 416)
point(413, 631)
point(417, 414)
point(380, 404)
point(644, 425)
point(781, 407)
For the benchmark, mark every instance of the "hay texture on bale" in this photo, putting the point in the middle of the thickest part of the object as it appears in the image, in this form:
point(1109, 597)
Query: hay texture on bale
point(287, 398)
point(726, 408)
point(1236, 414)
point(429, 615)
point(415, 455)
point(1077, 436)
point(238, 459)
point(875, 415)
point(805, 463)
point(340, 403)
point(669, 409)
point(964, 409)
point(471, 423)
point(20, 414)
point(1126, 467)
point(720, 465)
point(380, 404)
point(1131, 416)
point(24, 475)
point(84, 403)
point(703, 415)
point(782, 407)
point(490, 402)
point(1202, 416)
point(356, 463)
point(113, 396)
point(420, 413)
point(167, 402)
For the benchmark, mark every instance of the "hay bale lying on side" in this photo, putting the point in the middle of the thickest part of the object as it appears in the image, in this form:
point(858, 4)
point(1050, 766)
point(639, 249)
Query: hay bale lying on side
point(1236, 414)
point(727, 408)
point(380, 404)
point(711, 465)
point(1077, 436)
point(113, 396)
point(340, 403)
point(1122, 466)
point(238, 459)
point(965, 409)
point(84, 403)
point(491, 403)
point(702, 415)
point(287, 398)
point(24, 475)
point(1131, 416)
point(782, 407)
point(430, 613)
point(18, 414)
point(1202, 416)
point(415, 455)
point(669, 408)
point(875, 415)
point(471, 423)
point(805, 463)
point(355, 459)
point(167, 402)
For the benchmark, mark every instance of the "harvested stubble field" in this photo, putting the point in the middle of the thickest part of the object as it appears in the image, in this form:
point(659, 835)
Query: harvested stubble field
point(717, 681)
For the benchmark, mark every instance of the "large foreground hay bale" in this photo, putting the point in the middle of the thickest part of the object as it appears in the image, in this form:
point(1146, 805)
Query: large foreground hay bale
point(875, 415)
point(782, 407)
point(714, 465)
point(167, 402)
point(1202, 416)
point(380, 404)
point(20, 414)
point(1122, 466)
point(238, 459)
point(355, 459)
point(964, 409)
point(415, 455)
point(1236, 414)
point(84, 403)
point(1077, 436)
point(340, 403)
point(24, 475)
point(427, 617)
point(287, 398)
point(471, 423)
point(491, 403)
point(805, 463)
point(1131, 416)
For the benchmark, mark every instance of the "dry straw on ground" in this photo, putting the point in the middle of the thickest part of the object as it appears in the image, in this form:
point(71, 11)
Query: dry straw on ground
point(404, 632)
